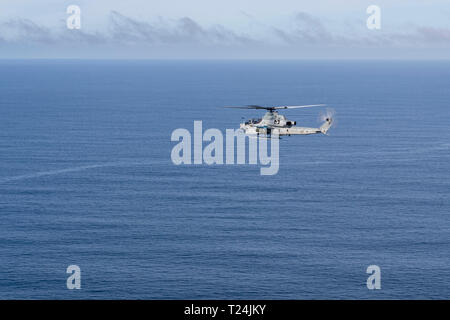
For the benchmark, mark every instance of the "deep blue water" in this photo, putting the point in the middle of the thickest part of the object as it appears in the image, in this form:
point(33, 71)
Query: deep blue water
point(86, 178)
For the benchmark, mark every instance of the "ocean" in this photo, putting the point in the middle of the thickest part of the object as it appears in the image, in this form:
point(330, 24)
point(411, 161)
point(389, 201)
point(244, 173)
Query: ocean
point(86, 179)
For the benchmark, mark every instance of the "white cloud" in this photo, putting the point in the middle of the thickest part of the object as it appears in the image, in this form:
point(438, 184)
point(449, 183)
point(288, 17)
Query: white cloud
point(184, 37)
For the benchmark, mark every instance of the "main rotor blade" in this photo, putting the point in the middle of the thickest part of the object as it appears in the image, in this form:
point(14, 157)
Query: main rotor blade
point(297, 107)
point(249, 107)
point(254, 106)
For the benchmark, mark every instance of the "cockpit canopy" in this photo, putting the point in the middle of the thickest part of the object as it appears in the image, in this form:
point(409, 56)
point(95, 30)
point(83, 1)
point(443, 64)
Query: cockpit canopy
point(269, 116)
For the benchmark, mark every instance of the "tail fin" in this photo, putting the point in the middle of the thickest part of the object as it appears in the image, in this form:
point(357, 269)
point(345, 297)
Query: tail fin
point(326, 125)
point(328, 117)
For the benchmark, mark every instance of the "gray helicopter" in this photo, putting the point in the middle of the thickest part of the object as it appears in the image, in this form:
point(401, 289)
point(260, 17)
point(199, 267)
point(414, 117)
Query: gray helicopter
point(273, 123)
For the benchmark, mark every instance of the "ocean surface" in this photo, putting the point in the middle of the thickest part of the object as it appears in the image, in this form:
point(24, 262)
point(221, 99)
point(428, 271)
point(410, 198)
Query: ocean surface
point(86, 178)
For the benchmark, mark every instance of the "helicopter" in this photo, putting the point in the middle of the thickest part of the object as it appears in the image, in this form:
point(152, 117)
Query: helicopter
point(273, 123)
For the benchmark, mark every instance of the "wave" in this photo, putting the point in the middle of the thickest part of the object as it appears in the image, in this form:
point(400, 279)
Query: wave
point(59, 171)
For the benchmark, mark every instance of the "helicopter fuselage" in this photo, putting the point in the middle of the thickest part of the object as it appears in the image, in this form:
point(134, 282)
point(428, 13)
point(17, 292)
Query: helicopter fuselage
point(275, 124)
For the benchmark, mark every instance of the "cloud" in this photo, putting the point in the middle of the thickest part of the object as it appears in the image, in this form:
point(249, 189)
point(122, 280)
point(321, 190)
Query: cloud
point(181, 31)
point(424, 36)
point(24, 29)
point(124, 30)
point(307, 30)
point(125, 33)
point(310, 31)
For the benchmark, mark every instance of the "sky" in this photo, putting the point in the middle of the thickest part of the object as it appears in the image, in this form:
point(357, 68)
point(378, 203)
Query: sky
point(227, 29)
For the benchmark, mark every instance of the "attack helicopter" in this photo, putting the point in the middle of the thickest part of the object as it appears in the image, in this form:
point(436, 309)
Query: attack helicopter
point(273, 123)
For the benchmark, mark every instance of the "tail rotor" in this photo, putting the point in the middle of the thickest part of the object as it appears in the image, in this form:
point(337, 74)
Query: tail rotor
point(328, 119)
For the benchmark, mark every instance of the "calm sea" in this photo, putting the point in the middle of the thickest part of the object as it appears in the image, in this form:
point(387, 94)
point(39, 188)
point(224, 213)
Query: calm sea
point(86, 178)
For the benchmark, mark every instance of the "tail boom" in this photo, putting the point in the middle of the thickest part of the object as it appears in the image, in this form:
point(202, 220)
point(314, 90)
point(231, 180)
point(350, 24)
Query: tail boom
point(304, 130)
point(326, 125)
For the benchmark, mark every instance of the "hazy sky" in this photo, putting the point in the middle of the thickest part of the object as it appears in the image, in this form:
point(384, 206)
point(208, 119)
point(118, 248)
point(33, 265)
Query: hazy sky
point(410, 29)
